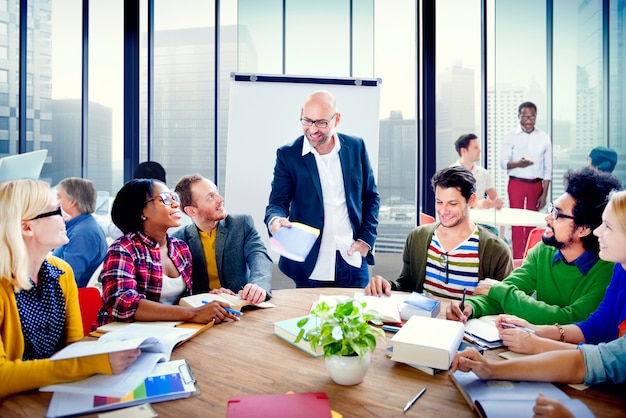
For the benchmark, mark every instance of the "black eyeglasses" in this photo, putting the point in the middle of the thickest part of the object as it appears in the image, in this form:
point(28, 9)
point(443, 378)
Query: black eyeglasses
point(556, 214)
point(443, 260)
point(321, 123)
point(57, 211)
point(166, 197)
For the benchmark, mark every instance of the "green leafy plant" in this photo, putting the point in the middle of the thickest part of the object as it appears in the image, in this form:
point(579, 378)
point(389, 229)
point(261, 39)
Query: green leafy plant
point(343, 329)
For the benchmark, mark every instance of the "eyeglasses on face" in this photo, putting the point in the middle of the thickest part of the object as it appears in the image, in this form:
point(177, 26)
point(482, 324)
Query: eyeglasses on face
point(57, 211)
point(528, 117)
point(556, 214)
point(166, 197)
point(321, 123)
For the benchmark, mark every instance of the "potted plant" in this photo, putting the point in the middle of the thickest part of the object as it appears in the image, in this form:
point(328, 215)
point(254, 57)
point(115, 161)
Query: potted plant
point(346, 336)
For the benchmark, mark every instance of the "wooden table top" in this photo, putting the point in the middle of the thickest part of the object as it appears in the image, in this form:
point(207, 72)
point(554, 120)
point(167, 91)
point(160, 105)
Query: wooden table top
point(245, 358)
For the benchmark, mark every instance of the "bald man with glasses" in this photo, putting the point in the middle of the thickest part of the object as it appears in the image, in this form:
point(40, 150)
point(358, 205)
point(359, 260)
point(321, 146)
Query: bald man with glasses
point(324, 179)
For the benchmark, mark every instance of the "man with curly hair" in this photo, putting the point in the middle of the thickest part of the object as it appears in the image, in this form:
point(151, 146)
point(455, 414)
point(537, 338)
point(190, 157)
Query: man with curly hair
point(563, 279)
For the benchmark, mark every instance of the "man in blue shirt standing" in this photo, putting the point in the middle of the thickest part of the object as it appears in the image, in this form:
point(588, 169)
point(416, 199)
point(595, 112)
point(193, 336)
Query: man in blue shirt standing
point(88, 245)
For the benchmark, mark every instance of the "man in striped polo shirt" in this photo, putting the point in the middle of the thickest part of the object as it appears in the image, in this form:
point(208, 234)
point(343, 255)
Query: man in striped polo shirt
point(452, 255)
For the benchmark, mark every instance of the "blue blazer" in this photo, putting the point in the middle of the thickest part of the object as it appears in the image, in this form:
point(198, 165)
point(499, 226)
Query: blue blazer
point(297, 195)
point(240, 254)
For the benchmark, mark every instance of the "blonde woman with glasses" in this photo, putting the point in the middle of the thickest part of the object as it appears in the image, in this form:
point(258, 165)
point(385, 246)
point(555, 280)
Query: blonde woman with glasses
point(39, 311)
point(145, 271)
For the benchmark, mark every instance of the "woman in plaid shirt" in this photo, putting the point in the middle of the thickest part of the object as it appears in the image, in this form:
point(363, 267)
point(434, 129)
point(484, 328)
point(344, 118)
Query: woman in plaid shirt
point(145, 271)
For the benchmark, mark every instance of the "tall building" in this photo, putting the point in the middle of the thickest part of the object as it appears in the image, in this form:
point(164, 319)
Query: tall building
point(38, 80)
point(502, 104)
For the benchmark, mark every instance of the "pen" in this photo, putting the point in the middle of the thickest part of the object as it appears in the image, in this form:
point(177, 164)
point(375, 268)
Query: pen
point(412, 401)
point(391, 328)
point(463, 300)
point(507, 325)
point(231, 310)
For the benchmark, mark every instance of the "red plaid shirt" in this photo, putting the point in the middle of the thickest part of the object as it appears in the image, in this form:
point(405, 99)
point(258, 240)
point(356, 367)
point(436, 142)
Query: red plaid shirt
point(132, 271)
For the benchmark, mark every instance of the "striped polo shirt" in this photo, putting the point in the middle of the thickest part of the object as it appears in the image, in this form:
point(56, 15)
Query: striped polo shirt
point(448, 273)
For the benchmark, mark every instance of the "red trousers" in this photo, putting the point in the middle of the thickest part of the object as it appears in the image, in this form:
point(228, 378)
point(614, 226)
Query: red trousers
point(522, 195)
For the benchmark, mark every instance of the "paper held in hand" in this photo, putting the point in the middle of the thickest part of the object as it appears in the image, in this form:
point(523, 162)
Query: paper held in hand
point(296, 242)
point(156, 344)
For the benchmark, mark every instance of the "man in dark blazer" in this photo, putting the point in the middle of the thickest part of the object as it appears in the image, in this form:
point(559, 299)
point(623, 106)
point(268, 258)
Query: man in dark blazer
point(326, 182)
point(227, 252)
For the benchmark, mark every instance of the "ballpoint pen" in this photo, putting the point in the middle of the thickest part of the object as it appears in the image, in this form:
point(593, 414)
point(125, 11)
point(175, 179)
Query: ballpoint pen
point(412, 401)
point(507, 325)
point(232, 311)
point(463, 300)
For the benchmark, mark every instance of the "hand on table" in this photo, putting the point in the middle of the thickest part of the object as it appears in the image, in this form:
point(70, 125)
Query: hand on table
point(253, 293)
point(548, 407)
point(377, 286)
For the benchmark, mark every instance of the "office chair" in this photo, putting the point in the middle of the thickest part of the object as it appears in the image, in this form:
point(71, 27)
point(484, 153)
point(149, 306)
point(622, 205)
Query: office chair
point(90, 301)
point(533, 238)
point(426, 219)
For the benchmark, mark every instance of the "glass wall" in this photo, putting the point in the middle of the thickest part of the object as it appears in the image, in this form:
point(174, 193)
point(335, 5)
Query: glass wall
point(183, 103)
point(105, 113)
point(458, 76)
point(62, 61)
point(566, 56)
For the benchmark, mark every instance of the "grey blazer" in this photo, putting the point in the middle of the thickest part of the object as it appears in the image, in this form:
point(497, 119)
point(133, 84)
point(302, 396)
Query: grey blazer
point(240, 254)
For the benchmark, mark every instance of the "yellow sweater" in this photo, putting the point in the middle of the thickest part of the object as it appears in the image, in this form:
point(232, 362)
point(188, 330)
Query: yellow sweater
point(17, 375)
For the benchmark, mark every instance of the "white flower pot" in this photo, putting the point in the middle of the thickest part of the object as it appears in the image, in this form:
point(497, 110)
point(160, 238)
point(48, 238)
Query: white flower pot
point(347, 370)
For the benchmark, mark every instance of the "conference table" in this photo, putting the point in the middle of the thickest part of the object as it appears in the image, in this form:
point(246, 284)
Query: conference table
point(245, 358)
point(508, 217)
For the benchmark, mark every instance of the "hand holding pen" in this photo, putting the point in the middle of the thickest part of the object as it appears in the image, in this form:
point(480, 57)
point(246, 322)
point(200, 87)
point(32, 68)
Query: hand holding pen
point(216, 311)
point(517, 334)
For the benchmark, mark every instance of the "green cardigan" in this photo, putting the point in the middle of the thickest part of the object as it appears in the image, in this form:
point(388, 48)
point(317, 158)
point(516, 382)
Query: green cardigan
point(493, 253)
point(563, 294)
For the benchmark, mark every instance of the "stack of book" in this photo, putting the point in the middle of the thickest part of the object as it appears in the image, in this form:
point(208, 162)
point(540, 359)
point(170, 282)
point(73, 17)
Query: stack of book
point(427, 342)
point(483, 332)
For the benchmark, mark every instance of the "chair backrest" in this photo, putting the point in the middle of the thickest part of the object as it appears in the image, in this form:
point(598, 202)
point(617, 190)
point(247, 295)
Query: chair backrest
point(533, 238)
point(426, 219)
point(90, 301)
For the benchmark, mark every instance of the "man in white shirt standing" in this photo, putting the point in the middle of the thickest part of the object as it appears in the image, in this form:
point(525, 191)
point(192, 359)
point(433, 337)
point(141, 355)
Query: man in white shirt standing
point(469, 152)
point(526, 154)
point(324, 179)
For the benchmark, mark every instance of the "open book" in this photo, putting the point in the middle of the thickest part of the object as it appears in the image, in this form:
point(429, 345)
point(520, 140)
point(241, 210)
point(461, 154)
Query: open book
point(499, 398)
point(235, 301)
point(167, 381)
point(156, 344)
point(296, 242)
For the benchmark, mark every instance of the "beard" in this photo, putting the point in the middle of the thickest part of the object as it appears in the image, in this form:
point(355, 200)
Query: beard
point(553, 242)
